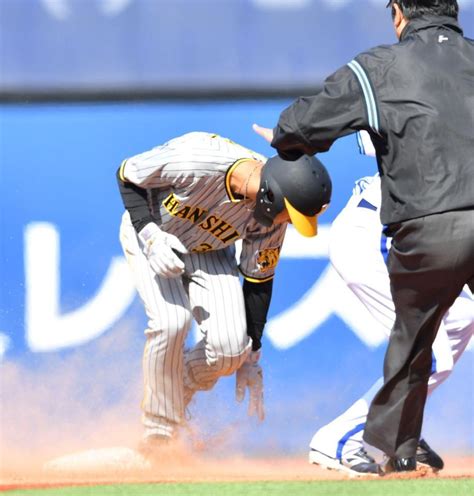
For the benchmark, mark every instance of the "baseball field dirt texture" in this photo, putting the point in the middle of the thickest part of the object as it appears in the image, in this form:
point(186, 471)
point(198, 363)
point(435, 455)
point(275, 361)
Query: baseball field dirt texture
point(61, 434)
point(198, 473)
point(94, 464)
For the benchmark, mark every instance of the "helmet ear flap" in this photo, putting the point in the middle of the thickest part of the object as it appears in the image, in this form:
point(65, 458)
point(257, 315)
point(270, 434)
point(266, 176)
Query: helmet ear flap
point(269, 202)
point(268, 196)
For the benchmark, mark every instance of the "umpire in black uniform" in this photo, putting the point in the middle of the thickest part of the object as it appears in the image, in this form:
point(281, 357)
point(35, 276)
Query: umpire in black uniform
point(416, 99)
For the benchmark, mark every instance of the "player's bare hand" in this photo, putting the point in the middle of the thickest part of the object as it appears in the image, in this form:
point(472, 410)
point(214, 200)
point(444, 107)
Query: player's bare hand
point(265, 132)
point(250, 375)
point(162, 249)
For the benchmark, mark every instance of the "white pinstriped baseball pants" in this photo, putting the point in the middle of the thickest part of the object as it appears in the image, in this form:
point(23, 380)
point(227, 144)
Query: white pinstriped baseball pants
point(215, 300)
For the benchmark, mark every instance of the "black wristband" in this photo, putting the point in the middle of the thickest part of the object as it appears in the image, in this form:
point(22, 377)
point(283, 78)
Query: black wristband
point(135, 200)
point(257, 297)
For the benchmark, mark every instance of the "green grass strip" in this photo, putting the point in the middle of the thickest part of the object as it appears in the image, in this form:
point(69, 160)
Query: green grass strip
point(378, 487)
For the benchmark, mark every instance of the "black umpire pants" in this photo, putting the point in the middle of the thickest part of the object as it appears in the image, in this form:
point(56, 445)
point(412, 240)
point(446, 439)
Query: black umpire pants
point(430, 260)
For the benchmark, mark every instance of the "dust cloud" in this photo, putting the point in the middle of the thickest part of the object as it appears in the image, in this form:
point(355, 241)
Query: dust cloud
point(61, 403)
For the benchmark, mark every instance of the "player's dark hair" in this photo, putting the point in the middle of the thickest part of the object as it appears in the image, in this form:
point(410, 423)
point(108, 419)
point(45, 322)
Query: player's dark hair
point(417, 8)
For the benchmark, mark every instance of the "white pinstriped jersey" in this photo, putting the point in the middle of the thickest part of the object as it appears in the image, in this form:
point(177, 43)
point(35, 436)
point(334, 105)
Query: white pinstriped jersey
point(187, 181)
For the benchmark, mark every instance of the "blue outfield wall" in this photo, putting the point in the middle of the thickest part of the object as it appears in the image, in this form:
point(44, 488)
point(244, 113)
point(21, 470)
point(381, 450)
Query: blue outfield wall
point(187, 45)
point(71, 324)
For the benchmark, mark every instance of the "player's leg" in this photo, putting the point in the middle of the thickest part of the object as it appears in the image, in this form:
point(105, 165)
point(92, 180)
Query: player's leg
point(364, 270)
point(427, 270)
point(218, 307)
point(357, 251)
point(341, 440)
point(169, 319)
point(339, 444)
point(458, 326)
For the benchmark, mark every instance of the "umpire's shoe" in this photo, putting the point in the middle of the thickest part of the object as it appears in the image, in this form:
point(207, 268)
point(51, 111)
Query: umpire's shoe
point(425, 455)
point(400, 465)
point(355, 464)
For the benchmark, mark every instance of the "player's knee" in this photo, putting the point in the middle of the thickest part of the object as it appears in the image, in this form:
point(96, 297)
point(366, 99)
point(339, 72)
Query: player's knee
point(227, 356)
point(173, 323)
point(229, 340)
point(228, 364)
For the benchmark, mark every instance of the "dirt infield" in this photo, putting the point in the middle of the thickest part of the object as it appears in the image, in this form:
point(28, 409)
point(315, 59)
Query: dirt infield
point(46, 417)
point(193, 469)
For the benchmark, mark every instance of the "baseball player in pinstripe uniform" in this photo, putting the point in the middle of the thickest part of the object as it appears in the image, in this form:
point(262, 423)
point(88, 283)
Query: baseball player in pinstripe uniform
point(338, 445)
point(187, 202)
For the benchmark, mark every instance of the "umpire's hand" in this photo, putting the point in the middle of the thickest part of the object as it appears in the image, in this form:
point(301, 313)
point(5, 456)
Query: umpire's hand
point(250, 375)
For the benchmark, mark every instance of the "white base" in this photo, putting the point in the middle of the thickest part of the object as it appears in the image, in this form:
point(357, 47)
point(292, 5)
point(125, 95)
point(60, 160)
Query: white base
point(104, 460)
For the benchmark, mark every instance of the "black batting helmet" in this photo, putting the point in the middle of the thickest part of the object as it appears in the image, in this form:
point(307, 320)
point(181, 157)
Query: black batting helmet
point(301, 186)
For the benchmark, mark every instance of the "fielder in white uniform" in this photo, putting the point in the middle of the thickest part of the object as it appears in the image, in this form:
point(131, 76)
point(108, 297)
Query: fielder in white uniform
point(187, 202)
point(361, 263)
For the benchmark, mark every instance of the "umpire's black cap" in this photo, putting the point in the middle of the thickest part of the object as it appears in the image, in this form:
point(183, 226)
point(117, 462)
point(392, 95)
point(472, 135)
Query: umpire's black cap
point(302, 186)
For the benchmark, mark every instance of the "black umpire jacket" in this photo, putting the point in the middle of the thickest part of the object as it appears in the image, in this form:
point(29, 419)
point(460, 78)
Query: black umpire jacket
point(416, 99)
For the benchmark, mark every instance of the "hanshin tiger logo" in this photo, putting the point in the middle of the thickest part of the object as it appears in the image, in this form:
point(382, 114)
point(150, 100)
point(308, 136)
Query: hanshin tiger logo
point(267, 259)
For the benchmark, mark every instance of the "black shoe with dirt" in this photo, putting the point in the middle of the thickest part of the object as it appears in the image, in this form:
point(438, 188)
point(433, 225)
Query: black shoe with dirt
point(425, 455)
point(407, 464)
